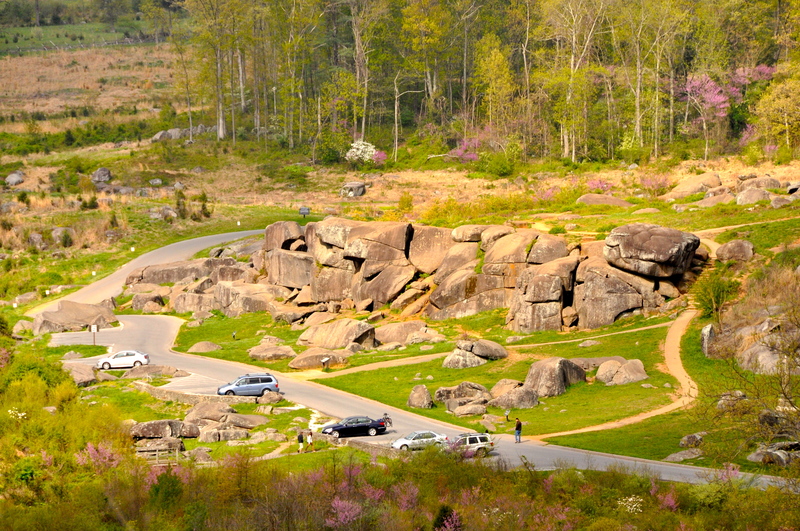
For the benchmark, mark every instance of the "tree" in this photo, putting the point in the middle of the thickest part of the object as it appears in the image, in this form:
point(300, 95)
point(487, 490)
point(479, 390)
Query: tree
point(779, 111)
point(110, 10)
point(493, 77)
point(709, 100)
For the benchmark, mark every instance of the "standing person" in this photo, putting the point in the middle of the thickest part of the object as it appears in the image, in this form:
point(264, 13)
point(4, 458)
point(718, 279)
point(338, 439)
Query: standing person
point(300, 442)
point(518, 431)
point(310, 442)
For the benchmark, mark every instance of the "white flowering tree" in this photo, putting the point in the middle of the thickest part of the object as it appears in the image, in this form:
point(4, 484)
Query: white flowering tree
point(362, 153)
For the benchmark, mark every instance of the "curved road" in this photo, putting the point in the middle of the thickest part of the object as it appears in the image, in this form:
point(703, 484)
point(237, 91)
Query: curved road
point(155, 335)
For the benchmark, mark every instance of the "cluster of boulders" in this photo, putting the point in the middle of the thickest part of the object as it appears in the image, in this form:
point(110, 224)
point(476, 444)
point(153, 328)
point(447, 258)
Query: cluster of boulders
point(331, 342)
point(443, 273)
point(749, 189)
point(545, 378)
point(207, 422)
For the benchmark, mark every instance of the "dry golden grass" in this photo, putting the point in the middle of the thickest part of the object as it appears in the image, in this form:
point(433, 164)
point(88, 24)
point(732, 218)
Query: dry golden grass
point(51, 82)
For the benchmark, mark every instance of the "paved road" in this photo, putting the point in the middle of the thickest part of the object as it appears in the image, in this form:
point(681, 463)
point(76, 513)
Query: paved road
point(155, 335)
point(111, 286)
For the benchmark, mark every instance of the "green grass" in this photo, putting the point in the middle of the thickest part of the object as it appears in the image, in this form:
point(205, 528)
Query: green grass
point(219, 329)
point(584, 404)
point(132, 404)
point(72, 35)
point(766, 236)
point(658, 437)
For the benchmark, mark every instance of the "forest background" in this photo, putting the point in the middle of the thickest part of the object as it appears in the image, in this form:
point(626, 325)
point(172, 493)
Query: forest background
point(502, 80)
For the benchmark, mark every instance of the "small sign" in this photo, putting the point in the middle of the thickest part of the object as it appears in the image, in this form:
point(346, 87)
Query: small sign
point(304, 211)
point(93, 328)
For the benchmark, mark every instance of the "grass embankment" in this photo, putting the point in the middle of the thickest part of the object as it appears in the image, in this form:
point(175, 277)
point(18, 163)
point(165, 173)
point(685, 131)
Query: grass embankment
point(658, 437)
point(584, 404)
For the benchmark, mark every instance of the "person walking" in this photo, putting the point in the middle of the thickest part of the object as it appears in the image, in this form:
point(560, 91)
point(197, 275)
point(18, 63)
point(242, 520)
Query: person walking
point(310, 442)
point(300, 442)
point(518, 431)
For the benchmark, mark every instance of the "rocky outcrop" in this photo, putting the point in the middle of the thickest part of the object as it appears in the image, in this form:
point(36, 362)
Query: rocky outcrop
point(650, 250)
point(552, 376)
point(81, 374)
point(339, 334)
point(72, 317)
point(335, 263)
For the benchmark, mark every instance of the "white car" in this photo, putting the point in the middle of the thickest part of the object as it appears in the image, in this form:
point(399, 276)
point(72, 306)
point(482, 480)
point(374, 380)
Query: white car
point(419, 439)
point(123, 358)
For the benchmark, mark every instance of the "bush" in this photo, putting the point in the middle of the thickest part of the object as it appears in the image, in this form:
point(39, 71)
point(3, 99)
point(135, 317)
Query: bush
point(712, 291)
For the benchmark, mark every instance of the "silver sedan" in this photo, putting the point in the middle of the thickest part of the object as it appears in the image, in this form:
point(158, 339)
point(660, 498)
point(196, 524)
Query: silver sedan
point(419, 439)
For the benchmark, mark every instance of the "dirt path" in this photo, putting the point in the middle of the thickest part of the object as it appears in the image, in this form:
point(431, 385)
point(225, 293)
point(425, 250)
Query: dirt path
point(685, 394)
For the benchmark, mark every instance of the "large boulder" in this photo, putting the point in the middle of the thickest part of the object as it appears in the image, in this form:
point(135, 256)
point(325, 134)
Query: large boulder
point(462, 359)
point(281, 234)
point(420, 397)
point(547, 248)
point(738, 250)
point(613, 372)
point(517, 398)
point(319, 358)
point(428, 247)
point(459, 256)
point(101, 175)
point(763, 183)
point(465, 293)
point(83, 375)
point(339, 334)
point(602, 295)
point(469, 390)
point(204, 346)
point(332, 284)
point(156, 429)
point(292, 269)
point(208, 411)
point(468, 233)
point(503, 386)
point(15, 178)
point(385, 285)
point(398, 332)
point(484, 348)
point(752, 196)
point(650, 250)
point(271, 352)
point(552, 376)
point(694, 184)
point(72, 316)
point(175, 272)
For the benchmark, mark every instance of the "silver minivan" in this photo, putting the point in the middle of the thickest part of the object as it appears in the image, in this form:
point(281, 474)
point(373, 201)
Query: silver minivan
point(250, 385)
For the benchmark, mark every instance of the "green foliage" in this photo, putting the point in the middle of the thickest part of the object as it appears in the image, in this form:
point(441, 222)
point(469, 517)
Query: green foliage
point(713, 290)
point(406, 202)
point(558, 230)
point(784, 155)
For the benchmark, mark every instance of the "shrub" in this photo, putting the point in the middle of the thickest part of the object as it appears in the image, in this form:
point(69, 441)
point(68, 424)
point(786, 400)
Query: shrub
point(406, 203)
point(712, 291)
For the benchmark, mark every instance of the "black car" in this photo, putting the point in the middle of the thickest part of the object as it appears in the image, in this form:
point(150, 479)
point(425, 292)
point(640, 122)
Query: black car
point(355, 426)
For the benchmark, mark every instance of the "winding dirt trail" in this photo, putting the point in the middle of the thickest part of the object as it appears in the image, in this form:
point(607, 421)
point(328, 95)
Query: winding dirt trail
point(685, 394)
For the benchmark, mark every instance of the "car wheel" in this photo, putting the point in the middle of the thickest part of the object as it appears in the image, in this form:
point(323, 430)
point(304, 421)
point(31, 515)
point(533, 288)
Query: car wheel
point(372, 432)
point(335, 434)
point(404, 447)
point(229, 393)
point(106, 365)
point(482, 452)
point(137, 363)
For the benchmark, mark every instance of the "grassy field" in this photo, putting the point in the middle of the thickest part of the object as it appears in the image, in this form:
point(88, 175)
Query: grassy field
point(584, 404)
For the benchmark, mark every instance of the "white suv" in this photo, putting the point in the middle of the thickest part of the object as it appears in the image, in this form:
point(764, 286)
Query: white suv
point(474, 444)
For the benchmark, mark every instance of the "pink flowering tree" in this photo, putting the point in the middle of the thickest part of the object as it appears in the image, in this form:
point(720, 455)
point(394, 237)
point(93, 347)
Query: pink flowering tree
point(710, 100)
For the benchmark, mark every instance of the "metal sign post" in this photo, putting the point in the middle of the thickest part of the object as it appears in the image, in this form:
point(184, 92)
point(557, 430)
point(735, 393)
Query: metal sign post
point(93, 330)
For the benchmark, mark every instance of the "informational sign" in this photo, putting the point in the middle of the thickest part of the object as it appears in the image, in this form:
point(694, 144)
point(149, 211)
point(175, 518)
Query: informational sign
point(304, 211)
